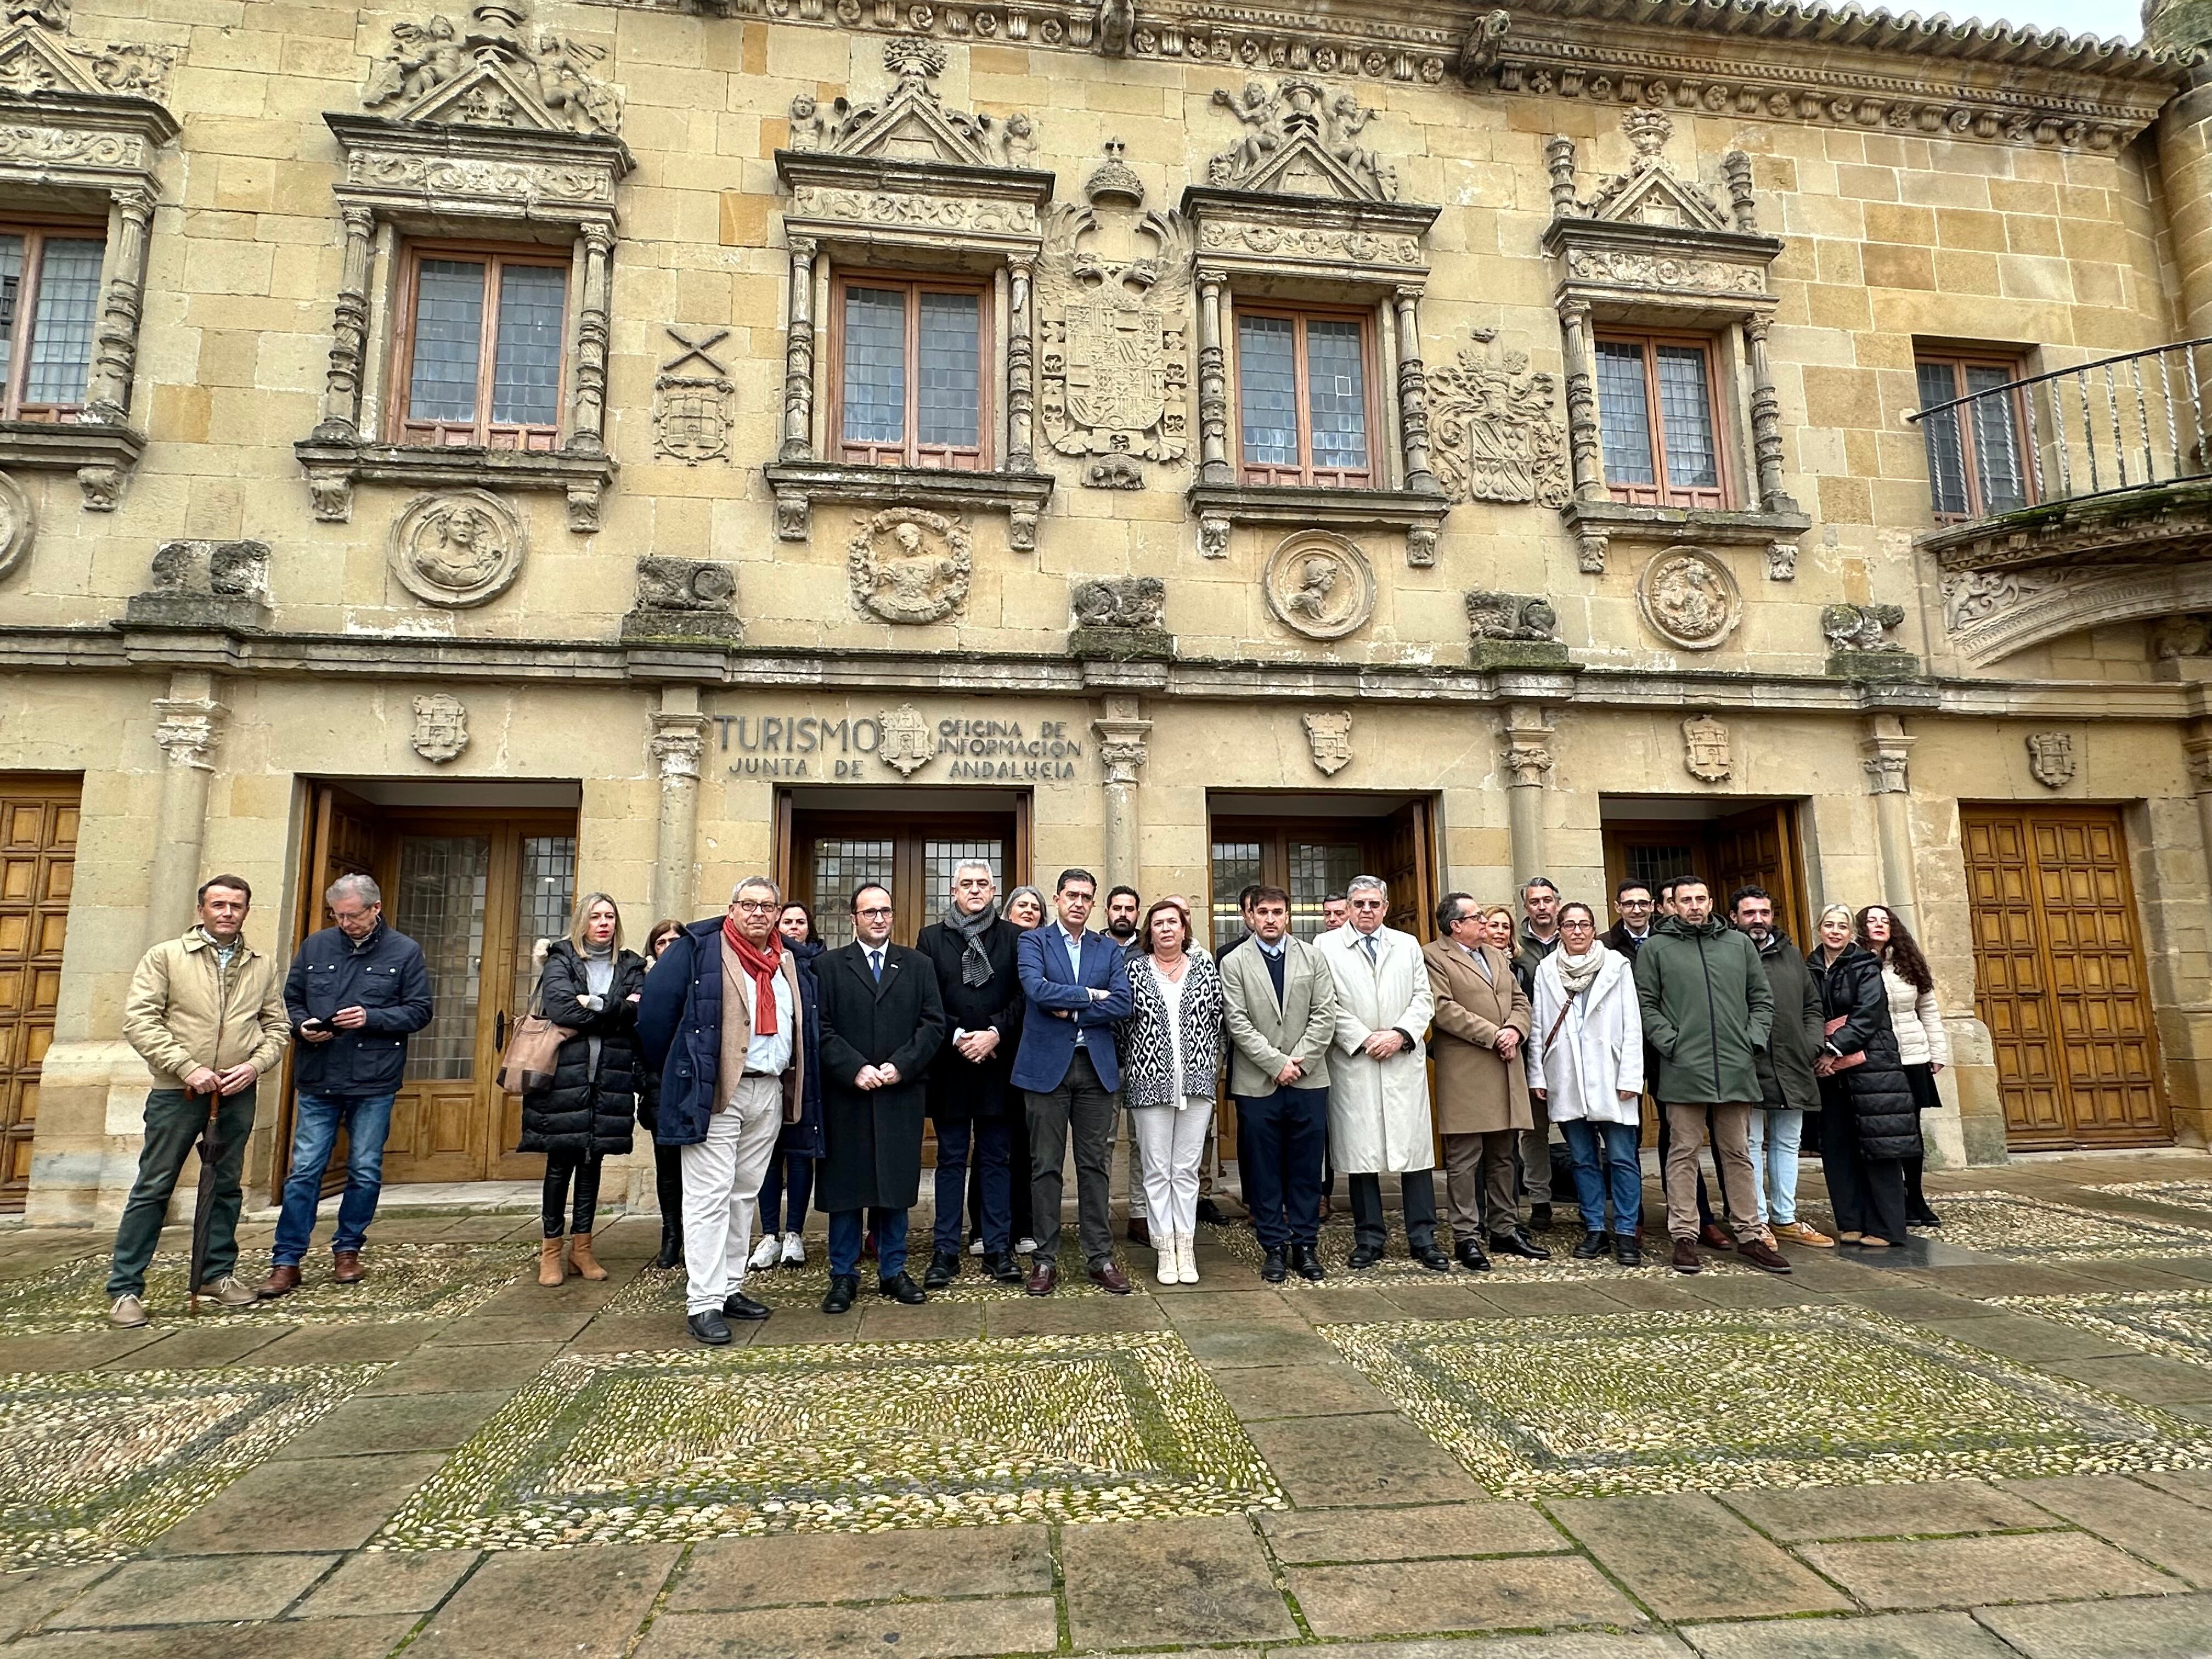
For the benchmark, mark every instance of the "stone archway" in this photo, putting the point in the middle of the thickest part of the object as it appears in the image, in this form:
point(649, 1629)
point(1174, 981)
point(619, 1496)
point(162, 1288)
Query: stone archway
point(1991, 614)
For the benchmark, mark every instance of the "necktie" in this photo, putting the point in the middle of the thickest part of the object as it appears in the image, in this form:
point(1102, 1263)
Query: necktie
point(1373, 961)
point(876, 966)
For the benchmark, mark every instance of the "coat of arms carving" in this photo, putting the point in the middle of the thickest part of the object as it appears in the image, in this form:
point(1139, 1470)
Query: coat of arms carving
point(909, 741)
point(1329, 734)
point(1494, 428)
point(442, 728)
point(1116, 279)
point(906, 564)
point(1706, 751)
point(691, 401)
point(2050, 758)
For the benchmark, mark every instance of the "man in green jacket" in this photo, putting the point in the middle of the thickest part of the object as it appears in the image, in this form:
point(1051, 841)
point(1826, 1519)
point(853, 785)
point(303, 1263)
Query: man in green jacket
point(1707, 1013)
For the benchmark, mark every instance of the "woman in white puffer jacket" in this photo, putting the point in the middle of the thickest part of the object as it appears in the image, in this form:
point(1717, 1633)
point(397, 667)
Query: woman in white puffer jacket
point(1922, 1043)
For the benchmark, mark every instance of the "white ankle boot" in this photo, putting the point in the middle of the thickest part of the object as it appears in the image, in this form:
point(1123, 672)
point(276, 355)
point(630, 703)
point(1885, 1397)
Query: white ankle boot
point(1186, 1258)
point(1170, 1267)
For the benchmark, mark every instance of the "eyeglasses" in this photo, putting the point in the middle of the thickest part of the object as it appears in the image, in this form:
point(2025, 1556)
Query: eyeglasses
point(1635, 904)
point(757, 907)
point(1367, 904)
point(874, 911)
point(1579, 925)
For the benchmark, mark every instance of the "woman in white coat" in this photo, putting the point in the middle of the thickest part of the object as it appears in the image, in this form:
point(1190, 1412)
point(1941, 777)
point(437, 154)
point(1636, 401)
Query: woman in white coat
point(1923, 1043)
point(1585, 1058)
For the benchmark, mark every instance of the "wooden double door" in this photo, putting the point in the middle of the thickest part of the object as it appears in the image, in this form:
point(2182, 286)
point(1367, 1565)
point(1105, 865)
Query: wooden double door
point(39, 819)
point(2059, 977)
point(826, 855)
point(1312, 858)
point(1759, 847)
point(478, 891)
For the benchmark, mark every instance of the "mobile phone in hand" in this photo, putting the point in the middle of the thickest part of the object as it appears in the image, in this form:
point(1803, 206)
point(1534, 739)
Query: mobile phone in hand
point(315, 1025)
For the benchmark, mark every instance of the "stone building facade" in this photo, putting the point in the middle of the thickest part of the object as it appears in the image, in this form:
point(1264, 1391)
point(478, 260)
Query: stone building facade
point(517, 451)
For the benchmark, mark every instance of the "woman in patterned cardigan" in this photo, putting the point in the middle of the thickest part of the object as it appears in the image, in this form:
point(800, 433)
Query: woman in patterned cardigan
point(1171, 1051)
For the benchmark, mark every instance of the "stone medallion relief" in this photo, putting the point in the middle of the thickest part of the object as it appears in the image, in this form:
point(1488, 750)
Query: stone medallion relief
point(1689, 598)
point(19, 525)
point(1319, 585)
point(458, 548)
point(906, 564)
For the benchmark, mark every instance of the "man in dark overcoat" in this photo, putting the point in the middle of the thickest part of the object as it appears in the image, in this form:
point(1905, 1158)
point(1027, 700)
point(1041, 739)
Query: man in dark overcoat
point(971, 1094)
point(883, 1022)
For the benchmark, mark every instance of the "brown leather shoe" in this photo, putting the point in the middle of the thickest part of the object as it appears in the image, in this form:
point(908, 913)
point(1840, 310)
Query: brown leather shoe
point(1044, 1280)
point(281, 1281)
point(1686, 1259)
point(1764, 1256)
point(1111, 1280)
point(345, 1267)
point(1141, 1231)
point(1714, 1237)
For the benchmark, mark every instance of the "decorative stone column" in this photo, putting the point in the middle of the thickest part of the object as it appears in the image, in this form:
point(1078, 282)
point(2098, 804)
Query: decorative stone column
point(1121, 733)
point(1765, 421)
point(341, 421)
point(1214, 467)
point(1884, 745)
point(678, 744)
point(1527, 759)
point(799, 356)
point(2197, 746)
point(587, 415)
point(187, 725)
point(1412, 392)
point(118, 356)
point(1582, 403)
point(1021, 369)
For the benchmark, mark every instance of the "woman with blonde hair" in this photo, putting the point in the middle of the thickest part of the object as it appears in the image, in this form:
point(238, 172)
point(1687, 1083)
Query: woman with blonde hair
point(589, 986)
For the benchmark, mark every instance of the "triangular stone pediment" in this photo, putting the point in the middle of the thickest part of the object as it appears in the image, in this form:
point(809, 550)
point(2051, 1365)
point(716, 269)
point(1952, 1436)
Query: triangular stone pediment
point(33, 60)
point(1301, 166)
point(489, 94)
point(911, 126)
point(1654, 194)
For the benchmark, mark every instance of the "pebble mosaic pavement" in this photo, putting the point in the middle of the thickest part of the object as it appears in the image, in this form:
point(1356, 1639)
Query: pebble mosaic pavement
point(1335, 1242)
point(661, 1289)
point(2182, 1194)
point(411, 1281)
point(1804, 1396)
point(2171, 1324)
point(2021, 1229)
point(641, 1447)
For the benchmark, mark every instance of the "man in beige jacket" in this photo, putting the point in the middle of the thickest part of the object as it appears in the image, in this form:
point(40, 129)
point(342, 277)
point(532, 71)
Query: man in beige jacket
point(206, 1014)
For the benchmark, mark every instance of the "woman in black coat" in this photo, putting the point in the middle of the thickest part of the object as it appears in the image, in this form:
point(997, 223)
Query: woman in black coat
point(589, 986)
point(667, 1161)
point(973, 1101)
point(1870, 1122)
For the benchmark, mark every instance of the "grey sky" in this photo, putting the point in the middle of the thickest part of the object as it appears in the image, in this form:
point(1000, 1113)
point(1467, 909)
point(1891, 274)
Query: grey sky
point(2102, 18)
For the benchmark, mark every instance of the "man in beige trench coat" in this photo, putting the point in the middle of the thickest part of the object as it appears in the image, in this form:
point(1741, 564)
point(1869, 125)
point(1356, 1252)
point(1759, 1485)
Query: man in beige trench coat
point(1482, 1090)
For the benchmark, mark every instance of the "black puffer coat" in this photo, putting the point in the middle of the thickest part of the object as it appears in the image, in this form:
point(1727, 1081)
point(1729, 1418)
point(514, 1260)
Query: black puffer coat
point(1874, 1092)
point(579, 1115)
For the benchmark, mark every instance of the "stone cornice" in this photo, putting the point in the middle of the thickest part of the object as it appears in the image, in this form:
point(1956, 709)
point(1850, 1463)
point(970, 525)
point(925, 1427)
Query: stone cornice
point(412, 658)
point(1769, 59)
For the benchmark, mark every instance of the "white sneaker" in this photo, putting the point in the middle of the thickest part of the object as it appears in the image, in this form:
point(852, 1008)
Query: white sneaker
point(794, 1250)
point(1186, 1259)
point(765, 1252)
point(1026, 1247)
point(976, 1248)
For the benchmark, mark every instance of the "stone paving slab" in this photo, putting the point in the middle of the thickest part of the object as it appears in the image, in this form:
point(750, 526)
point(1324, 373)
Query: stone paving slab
point(1813, 1514)
point(1312, 1537)
point(726, 1575)
point(1725, 1400)
point(1258, 1393)
point(1686, 1558)
point(1151, 1583)
point(1411, 1597)
point(1885, 1635)
point(94, 1464)
point(1575, 1645)
point(1357, 1460)
point(1241, 1245)
point(925, 1629)
point(2171, 1323)
point(379, 1582)
point(2181, 1195)
point(195, 1590)
point(315, 1503)
point(605, 1448)
point(600, 1598)
point(2162, 1529)
point(2168, 1627)
point(1961, 1572)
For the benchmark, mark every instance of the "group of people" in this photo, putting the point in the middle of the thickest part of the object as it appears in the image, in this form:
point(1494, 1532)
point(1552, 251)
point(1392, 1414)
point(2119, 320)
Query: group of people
point(772, 1074)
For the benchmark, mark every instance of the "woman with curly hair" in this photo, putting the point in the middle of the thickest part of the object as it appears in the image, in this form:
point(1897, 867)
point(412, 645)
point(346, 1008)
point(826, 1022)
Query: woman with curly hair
point(1922, 1043)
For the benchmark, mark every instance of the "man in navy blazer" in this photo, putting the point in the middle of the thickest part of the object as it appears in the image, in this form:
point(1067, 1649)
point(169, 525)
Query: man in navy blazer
point(1076, 985)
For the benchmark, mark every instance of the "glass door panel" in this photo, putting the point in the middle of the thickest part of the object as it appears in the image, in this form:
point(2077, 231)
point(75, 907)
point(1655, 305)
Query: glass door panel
point(1317, 870)
point(1237, 865)
point(545, 899)
point(440, 906)
point(842, 864)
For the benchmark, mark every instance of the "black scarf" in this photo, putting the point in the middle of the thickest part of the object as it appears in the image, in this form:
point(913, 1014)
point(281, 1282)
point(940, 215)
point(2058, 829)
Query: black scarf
point(975, 961)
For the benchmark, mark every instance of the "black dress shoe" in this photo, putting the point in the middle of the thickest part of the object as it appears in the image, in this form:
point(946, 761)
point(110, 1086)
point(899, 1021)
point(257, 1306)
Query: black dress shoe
point(671, 1247)
point(1210, 1213)
point(1628, 1252)
point(1540, 1218)
point(741, 1306)
point(1004, 1268)
point(1364, 1255)
point(710, 1328)
point(1433, 1259)
point(1306, 1264)
point(1593, 1246)
point(1273, 1268)
point(1517, 1243)
point(944, 1269)
point(843, 1287)
point(1471, 1256)
point(899, 1287)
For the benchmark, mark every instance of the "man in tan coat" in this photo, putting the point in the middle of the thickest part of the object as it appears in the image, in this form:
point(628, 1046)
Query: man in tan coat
point(206, 1013)
point(1482, 1091)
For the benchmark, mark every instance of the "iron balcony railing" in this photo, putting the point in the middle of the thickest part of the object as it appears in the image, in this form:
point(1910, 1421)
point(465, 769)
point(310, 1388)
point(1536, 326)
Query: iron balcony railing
point(2118, 423)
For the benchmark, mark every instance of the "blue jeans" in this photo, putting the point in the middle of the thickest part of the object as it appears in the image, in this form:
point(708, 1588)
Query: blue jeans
point(367, 1120)
point(1607, 1165)
point(1774, 1133)
point(992, 1141)
point(789, 1175)
point(849, 1227)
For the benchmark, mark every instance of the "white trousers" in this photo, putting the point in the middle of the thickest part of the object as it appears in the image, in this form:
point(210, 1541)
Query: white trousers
point(1171, 1141)
point(722, 1177)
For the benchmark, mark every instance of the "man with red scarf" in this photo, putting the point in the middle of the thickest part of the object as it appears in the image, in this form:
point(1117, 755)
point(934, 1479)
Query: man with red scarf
point(730, 1024)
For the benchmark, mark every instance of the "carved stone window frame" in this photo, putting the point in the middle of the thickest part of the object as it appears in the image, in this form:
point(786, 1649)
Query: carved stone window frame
point(1276, 249)
point(405, 182)
point(1653, 253)
point(76, 152)
point(916, 220)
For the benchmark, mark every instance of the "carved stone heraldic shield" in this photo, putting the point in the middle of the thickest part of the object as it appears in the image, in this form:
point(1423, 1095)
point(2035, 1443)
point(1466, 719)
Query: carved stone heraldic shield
point(909, 741)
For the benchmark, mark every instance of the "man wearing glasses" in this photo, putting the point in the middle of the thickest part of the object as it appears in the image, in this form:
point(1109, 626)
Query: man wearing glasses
point(732, 1027)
